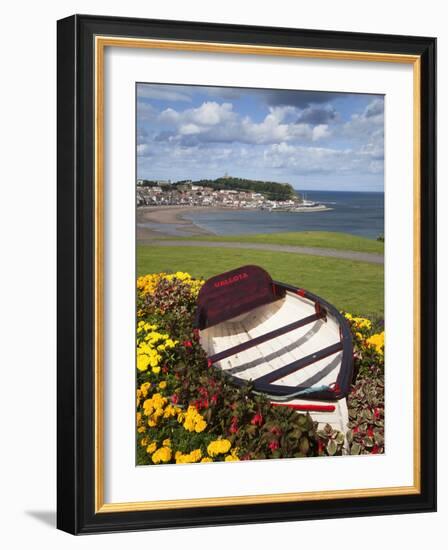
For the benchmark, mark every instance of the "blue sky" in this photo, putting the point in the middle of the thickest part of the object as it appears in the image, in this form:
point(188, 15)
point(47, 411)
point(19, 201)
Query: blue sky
point(312, 140)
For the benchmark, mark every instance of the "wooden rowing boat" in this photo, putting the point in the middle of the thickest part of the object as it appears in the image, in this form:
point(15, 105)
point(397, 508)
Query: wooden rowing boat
point(293, 346)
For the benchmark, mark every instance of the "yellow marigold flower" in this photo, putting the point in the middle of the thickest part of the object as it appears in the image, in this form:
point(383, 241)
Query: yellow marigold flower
point(166, 442)
point(231, 458)
point(188, 458)
point(147, 284)
point(189, 424)
point(148, 407)
point(151, 448)
point(206, 459)
point(144, 442)
point(142, 362)
point(170, 343)
point(361, 322)
point(155, 370)
point(162, 455)
point(139, 418)
point(200, 426)
point(377, 341)
point(141, 430)
point(159, 401)
point(192, 420)
point(152, 423)
point(196, 455)
point(169, 412)
point(144, 388)
point(162, 385)
point(220, 446)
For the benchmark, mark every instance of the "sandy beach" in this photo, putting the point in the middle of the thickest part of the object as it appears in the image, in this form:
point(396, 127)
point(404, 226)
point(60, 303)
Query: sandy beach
point(163, 221)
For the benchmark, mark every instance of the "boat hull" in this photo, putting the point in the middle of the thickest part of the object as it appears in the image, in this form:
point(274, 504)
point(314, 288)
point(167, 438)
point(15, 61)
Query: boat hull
point(296, 346)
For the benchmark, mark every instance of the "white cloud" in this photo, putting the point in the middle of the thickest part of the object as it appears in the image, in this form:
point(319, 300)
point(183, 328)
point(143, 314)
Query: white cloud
point(208, 114)
point(189, 129)
point(320, 131)
point(367, 122)
point(211, 113)
point(214, 123)
point(305, 159)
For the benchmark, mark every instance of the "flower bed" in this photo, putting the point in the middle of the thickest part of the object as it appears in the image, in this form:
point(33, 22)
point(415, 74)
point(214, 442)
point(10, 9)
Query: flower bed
point(366, 398)
point(188, 412)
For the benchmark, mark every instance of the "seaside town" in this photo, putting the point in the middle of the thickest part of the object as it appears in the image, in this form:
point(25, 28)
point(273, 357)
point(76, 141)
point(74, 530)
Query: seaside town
point(188, 193)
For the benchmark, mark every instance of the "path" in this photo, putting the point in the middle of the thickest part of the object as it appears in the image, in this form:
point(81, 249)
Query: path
point(313, 251)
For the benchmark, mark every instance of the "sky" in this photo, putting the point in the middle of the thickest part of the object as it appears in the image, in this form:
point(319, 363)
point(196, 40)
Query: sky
point(314, 140)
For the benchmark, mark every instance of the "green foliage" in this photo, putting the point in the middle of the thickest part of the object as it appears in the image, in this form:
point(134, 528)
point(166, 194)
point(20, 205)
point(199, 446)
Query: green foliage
point(366, 413)
point(330, 441)
point(270, 189)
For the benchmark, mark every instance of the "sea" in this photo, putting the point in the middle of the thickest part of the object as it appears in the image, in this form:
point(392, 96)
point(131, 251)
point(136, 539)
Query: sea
point(352, 212)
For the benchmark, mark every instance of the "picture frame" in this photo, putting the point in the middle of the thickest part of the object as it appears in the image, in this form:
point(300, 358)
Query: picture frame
point(82, 42)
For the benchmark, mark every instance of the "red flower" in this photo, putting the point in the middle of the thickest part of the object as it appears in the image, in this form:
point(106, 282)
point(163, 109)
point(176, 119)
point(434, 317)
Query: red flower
point(320, 445)
point(164, 369)
point(375, 449)
point(201, 404)
point(214, 399)
point(233, 424)
point(273, 445)
point(275, 431)
point(356, 429)
point(188, 344)
point(174, 399)
point(376, 413)
point(209, 363)
point(370, 432)
point(196, 333)
point(257, 419)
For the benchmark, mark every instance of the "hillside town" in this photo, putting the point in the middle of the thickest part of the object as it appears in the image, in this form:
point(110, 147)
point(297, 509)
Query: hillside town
point(164, 193)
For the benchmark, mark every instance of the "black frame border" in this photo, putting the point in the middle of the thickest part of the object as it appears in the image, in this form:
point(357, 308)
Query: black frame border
point(76, 262)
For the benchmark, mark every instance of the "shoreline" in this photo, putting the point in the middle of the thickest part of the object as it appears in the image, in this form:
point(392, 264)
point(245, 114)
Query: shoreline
point(173, 218)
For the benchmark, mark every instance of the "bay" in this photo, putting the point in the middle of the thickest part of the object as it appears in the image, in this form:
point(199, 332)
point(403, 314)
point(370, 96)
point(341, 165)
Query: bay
point(352, 212)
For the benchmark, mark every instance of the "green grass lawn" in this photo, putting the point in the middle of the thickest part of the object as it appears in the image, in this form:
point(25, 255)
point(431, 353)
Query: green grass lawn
point(357, 287)
point(320, 239)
